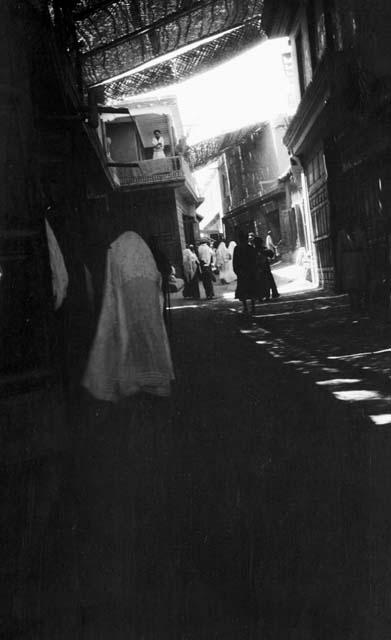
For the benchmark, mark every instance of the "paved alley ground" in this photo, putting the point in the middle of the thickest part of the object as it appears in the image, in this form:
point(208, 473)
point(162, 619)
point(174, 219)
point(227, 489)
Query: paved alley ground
point(286, 463)
point(253, 507)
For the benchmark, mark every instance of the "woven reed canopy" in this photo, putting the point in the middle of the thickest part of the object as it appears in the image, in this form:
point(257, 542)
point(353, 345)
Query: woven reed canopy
point(208, 150)
point(117, 36)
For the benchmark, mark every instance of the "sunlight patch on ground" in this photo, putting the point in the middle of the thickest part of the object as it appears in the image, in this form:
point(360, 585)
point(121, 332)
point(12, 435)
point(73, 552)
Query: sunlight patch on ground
point(357, 395)
point(284, 313)
point(289, 279)
point(337, 381)
point(185, 306)
point(354, 356)
point(381, 419)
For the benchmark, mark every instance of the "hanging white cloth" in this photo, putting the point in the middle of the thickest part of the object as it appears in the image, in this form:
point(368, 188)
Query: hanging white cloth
point(230, 275)
point(190, 264)
point(59, 271)
point(222, 261)
point(130, 352)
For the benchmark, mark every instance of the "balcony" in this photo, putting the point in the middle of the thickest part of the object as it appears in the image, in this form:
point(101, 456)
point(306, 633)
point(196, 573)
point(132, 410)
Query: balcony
point(172, 171)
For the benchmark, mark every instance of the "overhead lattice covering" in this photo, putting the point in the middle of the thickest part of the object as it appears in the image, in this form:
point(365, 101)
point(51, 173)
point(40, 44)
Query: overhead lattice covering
point(117, 36)
point(185, 65)
point(207, 150)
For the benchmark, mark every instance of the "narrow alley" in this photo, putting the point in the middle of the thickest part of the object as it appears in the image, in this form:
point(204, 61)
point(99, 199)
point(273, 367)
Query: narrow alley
point(247, 500)
point(195, 292)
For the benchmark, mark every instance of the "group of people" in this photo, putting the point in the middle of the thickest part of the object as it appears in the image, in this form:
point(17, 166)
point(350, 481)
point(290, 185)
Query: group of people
point(207, 264)
point(249, 263)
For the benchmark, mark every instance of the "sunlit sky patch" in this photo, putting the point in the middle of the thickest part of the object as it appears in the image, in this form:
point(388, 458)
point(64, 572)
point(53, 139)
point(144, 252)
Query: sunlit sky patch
point(252, 87)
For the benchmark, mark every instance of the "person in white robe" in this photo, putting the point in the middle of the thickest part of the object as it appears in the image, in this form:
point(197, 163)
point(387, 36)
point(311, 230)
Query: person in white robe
point(191, 270)
point(222, 261)
point(230, 275)
point(130, 353)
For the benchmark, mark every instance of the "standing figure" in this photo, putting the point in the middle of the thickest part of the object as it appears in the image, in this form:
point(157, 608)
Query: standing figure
point(270, 246)
point(271, 287)
point(158, 145)
point(244, 265)
point(191, 266)
point(230, 275)
point(130, 353)
point(222, 261)
point(352, 263)
point(263, 275)
point(206, 257)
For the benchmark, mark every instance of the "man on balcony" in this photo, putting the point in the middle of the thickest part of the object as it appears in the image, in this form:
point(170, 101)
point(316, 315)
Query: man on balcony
point(158, 145)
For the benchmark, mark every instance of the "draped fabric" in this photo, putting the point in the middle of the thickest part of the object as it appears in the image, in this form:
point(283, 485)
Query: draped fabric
point(208, 150)
point(58, 269)
point(116, 36)
point(222, 262)
point(130, 352)
point(190, 263)
point(230, 275)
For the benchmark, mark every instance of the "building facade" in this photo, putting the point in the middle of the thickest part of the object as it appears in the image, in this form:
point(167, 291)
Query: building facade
point(341, 130)
point(340, 142)
point(160, 196)
point(254, 197)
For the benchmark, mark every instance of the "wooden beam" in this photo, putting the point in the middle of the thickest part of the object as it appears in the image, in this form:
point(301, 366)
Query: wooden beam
point(122, 164)
point(104, 109)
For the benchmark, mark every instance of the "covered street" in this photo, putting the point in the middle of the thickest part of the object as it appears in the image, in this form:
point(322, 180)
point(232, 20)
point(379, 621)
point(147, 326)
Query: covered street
point(247, 510)
point(284, 481)
point(167, 149)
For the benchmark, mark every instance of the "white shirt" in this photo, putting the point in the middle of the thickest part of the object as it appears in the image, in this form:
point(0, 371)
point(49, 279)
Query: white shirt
point(205, 254)
point(269, 243)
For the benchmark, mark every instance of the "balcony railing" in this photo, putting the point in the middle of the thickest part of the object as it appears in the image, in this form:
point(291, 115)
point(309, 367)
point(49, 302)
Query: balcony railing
point(144, 173)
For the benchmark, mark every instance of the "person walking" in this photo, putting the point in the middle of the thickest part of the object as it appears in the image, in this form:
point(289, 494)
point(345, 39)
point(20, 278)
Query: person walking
point(230, 275)
point(270, 246)
point(271, 287)
point(271, 283)
point(206, 257)
point(263, 272)
point(191, 266)
point(130, 353)
point(222, 260)
point(244, 265)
